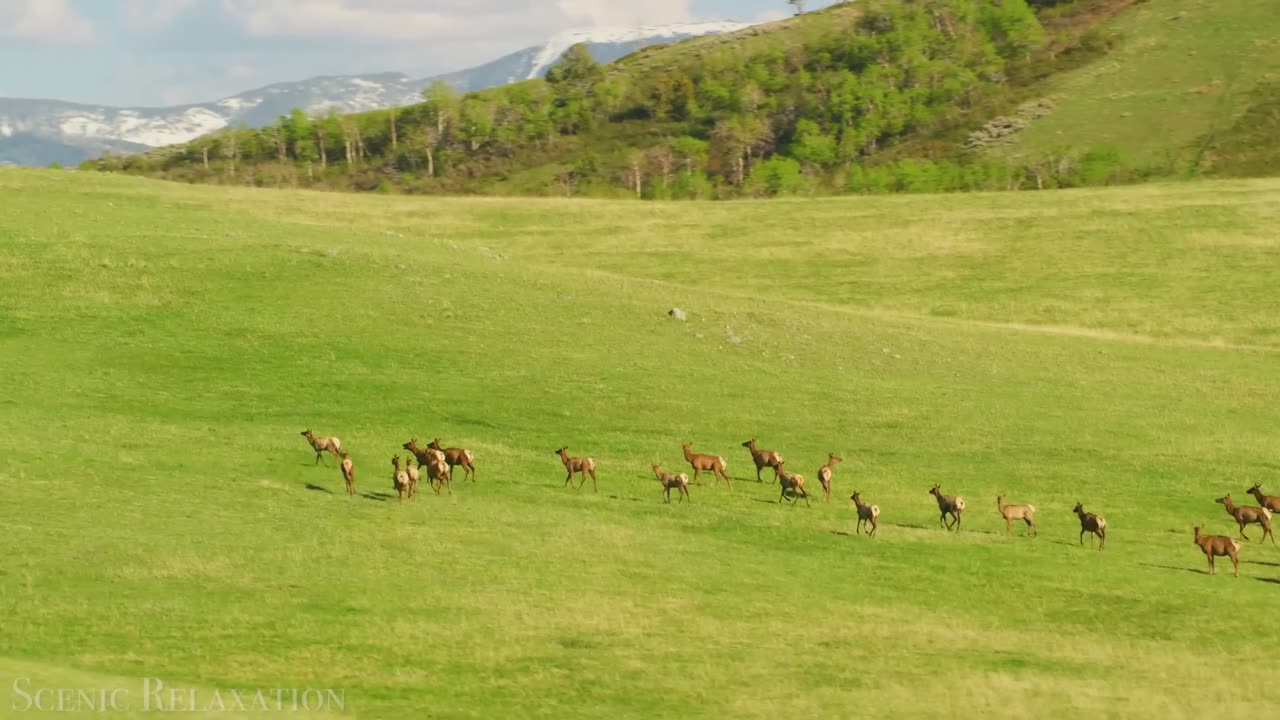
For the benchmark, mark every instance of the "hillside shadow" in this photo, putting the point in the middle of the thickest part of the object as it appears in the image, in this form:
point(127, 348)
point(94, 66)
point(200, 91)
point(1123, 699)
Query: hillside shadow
point(317, 488)
point(1182, 569)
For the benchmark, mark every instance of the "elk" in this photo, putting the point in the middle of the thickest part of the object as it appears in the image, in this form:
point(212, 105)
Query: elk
point(679, 481)
point(437, 471)
point(1270, 502)
point(866, 513)
point(457, 456)
point(1091, 523)
point(323, 444)
point(701, 462)
point(793, 482)
point(951, 505)
point(412, 472)
point(1025, 513)
point(1248, 515)
point(582, 465)
point(763, 458)
point(399, 479)
point(824, 475)
point(348, 473)
point(1213, 545)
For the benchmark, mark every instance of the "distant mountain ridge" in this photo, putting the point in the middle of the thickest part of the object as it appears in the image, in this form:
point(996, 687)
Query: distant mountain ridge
point(40, 132)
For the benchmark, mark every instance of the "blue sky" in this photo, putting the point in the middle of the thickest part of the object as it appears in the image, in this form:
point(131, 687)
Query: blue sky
point(163, 52)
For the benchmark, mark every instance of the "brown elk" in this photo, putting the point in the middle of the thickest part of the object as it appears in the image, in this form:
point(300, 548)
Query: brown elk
point(701, 462)
point(1270, 502)
point(1091, 523)
point(1219, 545)
point(793, 482)
point(1025, 513)
point(951, 505)
point(412, 472)
point(399, 479)
point(679, 481)
point(582, 465)
point(349, 472)
point(866, 513)
point(437, 471)
point(322, 445)
point(459, 457)
point(763, 458)
point(824, 475)
point(1249, 515)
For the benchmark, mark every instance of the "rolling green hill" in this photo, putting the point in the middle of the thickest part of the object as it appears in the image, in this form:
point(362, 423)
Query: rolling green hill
point(874, 96)
point(1179, 76)
point(164, 345)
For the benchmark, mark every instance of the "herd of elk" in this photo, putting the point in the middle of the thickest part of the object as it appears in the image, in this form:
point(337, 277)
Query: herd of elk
point(582, 465)
point(764, 459)
point(951, 505)
point(440, 462)
point(679, 481)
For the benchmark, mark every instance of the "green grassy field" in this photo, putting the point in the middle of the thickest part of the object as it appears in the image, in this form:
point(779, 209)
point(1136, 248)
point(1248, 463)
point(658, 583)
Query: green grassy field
point(163, 346)
point(1183, 70)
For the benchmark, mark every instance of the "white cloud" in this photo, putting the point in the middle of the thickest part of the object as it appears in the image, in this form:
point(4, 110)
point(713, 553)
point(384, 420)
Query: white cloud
point(378, 20)
point(149, 16)
point(622, 13)
point(44, 21)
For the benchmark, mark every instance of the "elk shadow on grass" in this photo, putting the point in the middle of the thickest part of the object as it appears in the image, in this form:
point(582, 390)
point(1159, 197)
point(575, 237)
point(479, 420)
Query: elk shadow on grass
point(1273, 581)
point(1182, 569)
point(317, 488)
point(376, 497)
point(1260, 562)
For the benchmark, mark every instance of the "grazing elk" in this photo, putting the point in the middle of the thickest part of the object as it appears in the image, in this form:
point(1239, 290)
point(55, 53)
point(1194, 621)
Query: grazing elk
point(1025, 513)
point(679, 481)
point(866, 513)
point(399, 479)
point(793, 482)
point(1219, 545)
point(701, 462)
point(322, 445)
point(1249, 515)
point(582, 465)
point(457, 456)
point(763, 458)
point(349, 472)
point(1270, 502)
point(1091, 523)
point(824, 475)
point(412, 472)
point(951, 505)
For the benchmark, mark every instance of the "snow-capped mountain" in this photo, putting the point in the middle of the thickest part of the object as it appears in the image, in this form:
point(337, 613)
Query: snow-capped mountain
point(40, 132)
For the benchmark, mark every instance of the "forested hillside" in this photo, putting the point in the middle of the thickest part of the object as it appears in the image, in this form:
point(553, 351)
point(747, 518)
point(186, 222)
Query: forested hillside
point(867, 96)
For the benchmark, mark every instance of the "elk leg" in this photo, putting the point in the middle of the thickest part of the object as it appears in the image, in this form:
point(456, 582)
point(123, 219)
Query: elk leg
point(758, 469)
point(593, 481)
point(874, 526)
point(568, 479)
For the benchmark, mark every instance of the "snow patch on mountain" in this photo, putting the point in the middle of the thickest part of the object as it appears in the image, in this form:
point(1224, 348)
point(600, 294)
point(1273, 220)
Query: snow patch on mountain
point(553, 49)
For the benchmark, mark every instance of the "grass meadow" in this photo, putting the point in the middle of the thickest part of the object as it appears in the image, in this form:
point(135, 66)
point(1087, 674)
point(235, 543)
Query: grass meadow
point(162, 346)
